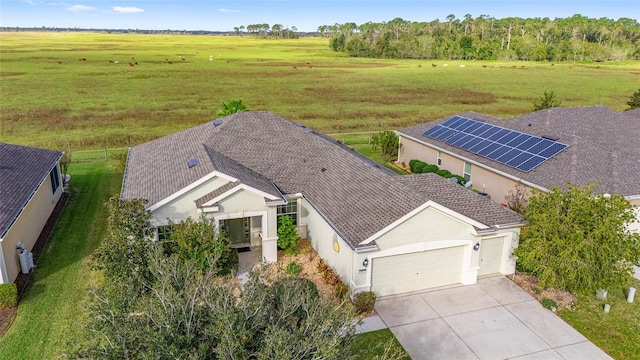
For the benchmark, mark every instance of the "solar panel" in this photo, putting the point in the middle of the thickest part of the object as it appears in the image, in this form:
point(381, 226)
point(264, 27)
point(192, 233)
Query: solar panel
point(512, 148)
point(482, 129)
point(433, 131)
point(498, 152)
point(531, 163)
point(552, 150)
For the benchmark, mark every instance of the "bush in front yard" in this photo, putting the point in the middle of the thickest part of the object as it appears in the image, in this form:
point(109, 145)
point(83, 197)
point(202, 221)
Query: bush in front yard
point(364, 302)
point(288, 237)
point(8, 295)
point(293, 268)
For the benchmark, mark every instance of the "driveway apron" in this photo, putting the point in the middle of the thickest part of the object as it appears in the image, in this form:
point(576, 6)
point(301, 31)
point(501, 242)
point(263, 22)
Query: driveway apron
point(494, 319)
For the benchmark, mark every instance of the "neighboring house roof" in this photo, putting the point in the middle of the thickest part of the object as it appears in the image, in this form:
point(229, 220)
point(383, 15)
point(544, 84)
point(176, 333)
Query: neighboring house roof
point(22, 170)
point(604, 147)
point(634, 113)
point(357, 196)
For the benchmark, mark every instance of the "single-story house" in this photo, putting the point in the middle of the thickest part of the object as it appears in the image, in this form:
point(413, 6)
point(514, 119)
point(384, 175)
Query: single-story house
point(30, 187)
point(543, 149)
point(380, 231)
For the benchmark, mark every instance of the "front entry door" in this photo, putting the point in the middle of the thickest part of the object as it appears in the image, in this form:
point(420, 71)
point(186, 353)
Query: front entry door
point(237, 230)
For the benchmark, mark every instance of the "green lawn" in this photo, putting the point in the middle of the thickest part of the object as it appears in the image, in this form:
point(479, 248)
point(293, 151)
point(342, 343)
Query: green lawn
point(51, 313)
point(618, 332)
point(96, 104)
point(380, 344)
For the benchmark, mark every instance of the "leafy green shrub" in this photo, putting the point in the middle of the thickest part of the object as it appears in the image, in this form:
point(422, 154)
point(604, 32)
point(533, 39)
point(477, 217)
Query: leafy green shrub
point(444, 173)
point(197, 240)
point(417, 166)
point(293, 268)
point(8, 295)
point(364, 302)
point(549, 303)
point(430, 168)
point(288, 237)
point(341, 291)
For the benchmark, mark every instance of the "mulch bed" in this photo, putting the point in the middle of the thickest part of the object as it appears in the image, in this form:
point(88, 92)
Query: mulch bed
point(7, 315)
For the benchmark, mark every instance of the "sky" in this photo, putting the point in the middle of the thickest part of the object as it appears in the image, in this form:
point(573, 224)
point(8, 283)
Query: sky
point(305, 15)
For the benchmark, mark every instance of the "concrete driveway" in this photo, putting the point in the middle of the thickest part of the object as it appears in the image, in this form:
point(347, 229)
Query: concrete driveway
point(494, 319)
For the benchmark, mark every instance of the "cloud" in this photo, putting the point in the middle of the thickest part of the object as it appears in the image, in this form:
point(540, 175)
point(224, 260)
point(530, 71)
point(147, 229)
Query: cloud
point(127, 9)
point(80, 8)
point(227, 10)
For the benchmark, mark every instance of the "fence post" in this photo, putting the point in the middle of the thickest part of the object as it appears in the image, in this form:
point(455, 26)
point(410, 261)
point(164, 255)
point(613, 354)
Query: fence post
point(106, 157)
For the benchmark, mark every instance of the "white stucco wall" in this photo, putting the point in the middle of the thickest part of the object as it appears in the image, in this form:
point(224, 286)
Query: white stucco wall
point(184, 206)
point(321, 235)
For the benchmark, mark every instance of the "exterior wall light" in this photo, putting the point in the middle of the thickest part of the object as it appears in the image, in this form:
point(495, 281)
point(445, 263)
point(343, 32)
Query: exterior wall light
point(365, 262)
point(476, 246)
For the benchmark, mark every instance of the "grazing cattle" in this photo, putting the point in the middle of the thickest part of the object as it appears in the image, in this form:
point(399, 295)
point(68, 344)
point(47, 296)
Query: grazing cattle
point(82, 59)
point(419, 65)
point(169, 62)
point(522, 67)
point(295, 67)
point(434, 65)
point(59, 62)
point(183, 59)
point(513, 66)
point(131, 64)
point(553, 64)
point(116, 62)
point(132, 58)
point(310, 66)
point(461, 66)
point(445, 65)
point(484, 66)
point(110, 61)
point(210, 57)
point(228, 61)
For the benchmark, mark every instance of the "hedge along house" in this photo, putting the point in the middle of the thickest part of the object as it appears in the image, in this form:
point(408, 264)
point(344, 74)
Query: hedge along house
point(540, 150)
point(378, 230)
point(30, 187)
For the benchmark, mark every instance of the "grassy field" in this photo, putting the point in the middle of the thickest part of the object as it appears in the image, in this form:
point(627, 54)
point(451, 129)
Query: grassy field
point(51, 99)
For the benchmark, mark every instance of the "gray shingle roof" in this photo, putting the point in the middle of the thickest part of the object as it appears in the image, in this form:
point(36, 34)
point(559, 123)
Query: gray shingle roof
point(604, 147)
point(22, 170)
point(357, 196)
point(217, 192)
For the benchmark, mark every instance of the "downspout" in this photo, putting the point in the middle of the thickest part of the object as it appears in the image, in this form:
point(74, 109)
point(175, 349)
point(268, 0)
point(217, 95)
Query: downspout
point(3, 267)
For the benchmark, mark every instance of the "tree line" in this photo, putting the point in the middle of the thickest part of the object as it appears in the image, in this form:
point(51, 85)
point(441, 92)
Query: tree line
point(576, 38)
point(277, 31)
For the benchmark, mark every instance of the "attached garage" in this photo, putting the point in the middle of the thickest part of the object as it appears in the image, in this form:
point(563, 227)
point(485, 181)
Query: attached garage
point(417, 271)
point(490, 256)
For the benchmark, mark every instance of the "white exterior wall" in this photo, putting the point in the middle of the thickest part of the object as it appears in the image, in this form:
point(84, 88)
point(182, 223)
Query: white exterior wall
point(239, 204)
point(184, 206)
point(429, 229)
point(635, 226)
point(321, 235)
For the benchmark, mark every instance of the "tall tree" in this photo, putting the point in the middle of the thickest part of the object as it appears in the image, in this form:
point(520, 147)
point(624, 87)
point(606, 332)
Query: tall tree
point(578, 241)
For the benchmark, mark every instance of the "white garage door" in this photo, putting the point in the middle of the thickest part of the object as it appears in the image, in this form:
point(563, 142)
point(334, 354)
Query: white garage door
point(416, 271)
point(490, 256)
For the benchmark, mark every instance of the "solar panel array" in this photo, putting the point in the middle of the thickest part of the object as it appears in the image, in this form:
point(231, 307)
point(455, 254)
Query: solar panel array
point(512, 148)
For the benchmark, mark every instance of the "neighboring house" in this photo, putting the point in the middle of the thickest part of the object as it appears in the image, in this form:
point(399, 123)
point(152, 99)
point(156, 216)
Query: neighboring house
point(30, 187)
point(603, 147)
point(380, 231)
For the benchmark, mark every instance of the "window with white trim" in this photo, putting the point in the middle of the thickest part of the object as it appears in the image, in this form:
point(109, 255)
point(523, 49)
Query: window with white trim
point(164, 232)
point(289, 209)
point(439, 162)
point(55, 179)
point(467, 171)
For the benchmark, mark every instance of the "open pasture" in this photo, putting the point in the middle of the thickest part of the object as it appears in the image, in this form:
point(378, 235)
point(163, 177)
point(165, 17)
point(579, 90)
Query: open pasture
point(95, 90)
